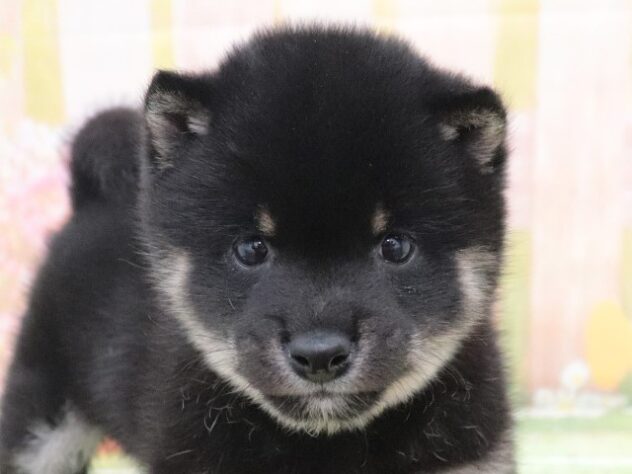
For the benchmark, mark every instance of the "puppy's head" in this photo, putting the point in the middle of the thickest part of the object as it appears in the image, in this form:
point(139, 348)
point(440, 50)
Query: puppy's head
point(324, 216)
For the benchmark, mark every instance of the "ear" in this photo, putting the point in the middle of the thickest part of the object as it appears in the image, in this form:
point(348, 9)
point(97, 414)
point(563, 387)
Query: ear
point(177, 109)
point(476, 120)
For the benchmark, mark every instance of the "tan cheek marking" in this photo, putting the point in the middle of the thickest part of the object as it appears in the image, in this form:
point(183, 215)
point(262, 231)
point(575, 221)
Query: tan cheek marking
point(265, 222)
point(379, 222)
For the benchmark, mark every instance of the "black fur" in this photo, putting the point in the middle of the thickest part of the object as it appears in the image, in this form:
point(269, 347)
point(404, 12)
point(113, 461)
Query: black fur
point(104, 162)
point(319, 128)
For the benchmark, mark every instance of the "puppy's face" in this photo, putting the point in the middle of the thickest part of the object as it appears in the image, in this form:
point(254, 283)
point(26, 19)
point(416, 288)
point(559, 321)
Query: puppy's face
point(326, 230)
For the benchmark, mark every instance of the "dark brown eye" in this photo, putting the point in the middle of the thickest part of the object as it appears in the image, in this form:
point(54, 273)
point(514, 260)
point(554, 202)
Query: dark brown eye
point(251, 251)
point(396, 248)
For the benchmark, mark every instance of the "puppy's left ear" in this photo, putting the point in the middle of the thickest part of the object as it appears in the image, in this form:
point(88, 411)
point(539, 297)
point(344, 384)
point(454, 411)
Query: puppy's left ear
point(477, 121)
point(177, 109)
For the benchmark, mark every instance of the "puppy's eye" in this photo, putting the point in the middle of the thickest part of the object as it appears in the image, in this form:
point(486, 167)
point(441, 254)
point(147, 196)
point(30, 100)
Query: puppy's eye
point(251, 251)
point(396, 248)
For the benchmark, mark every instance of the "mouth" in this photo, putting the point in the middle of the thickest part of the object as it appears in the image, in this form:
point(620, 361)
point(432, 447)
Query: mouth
point(324, 406)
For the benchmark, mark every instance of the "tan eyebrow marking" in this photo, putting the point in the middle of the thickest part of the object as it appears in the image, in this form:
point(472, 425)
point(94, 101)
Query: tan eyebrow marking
point(265, 222)
point(379, 222)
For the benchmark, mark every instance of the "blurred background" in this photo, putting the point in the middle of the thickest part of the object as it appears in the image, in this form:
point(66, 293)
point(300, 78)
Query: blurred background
point(564, 68)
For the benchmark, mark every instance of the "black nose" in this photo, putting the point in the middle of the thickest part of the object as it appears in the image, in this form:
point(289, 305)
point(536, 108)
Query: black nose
point(319, 356)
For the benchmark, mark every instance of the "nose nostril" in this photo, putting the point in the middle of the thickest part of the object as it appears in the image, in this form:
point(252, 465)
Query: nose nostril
point(302, 361)
point(338, 361)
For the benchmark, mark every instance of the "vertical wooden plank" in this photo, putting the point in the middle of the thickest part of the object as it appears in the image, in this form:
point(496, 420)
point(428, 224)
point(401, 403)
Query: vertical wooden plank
point(42, 76)
point(278, 14)
point(516, 51)
point(106, 56)
point(626, 270)
point(161, 34)
point(515, 76)
point(515, 310)
point(578, 188)
point(11, 74)
point(385, 13)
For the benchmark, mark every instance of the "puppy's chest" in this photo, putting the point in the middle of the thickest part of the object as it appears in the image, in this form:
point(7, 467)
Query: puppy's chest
point(220, 434)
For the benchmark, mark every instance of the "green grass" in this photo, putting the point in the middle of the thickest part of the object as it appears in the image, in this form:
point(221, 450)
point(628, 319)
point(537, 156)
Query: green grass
point(544, 446)
point(576, 445)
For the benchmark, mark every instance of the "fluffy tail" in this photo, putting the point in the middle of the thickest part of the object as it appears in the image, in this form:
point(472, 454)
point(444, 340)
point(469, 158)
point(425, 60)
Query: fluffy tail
point(105, 155)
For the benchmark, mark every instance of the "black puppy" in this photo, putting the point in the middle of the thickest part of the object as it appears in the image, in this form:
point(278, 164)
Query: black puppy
point(283, 266)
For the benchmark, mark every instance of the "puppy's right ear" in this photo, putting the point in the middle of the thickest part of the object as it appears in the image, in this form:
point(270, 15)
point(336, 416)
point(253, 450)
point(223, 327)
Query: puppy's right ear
point(177, 110)
point(476, 122)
